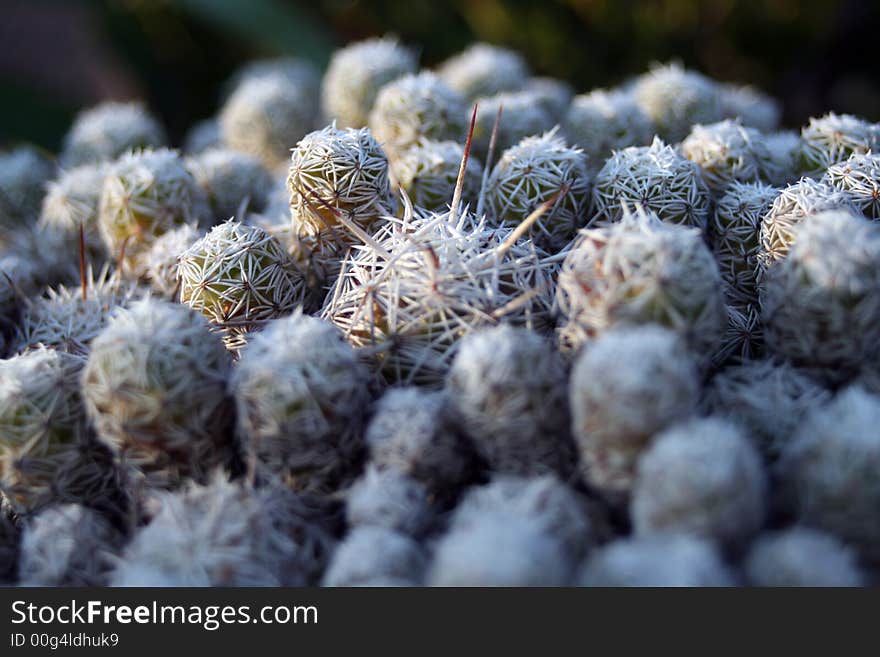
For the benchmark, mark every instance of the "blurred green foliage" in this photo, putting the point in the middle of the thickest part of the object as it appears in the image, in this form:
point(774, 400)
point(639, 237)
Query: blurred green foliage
point(176, 53)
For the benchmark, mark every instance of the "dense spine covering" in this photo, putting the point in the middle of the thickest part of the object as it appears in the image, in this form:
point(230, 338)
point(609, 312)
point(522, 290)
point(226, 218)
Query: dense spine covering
point(702, 478)
point(145, 195)
point(239, 277)
point(508, 385)
point(301, 397)
point(726, 152)
point(266, 115)
point(735, 233)
point(484, 70)
point(108, 131)
point(859, 178)
point(154, 388)
point(655, 178)
point(791, 207)
point(428, 171)
point(417, 107)
point(767, 399)
point(830, 470)
point(531, 173)
point(601, 122)
point(833, 138)
point(356, 74)
point(626, 386)
point(338, 183)
point(641, 271)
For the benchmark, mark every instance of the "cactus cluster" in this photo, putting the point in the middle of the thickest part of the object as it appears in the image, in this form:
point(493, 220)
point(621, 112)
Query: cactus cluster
point(388, 325)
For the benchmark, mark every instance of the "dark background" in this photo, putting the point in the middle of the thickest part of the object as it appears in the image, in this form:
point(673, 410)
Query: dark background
point(57, 56)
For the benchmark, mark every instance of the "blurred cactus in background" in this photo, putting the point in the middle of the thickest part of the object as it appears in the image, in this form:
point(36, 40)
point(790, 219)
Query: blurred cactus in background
point(175, 53)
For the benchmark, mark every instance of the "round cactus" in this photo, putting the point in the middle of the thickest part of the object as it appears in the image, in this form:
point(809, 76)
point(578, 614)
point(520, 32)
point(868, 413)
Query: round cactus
point(219, 534)
point(641, 271)
point(202, 136)
point(558, 510)
point(265, 116)
point(821, 305)
point(751, 106)
point(301, 398)
point(735, 233)
point(767, 399)
point(336, 176)
point(145, 195)
point(522, 115)
point(726, 152)
point(109, 130)
point(701, 477)
point(162, 260)
point(484, 70)
point(24, 173)
point(859, 178)
point(66, 320)
point(528, 175)
point(298, 72)
point(743, 339)
point(43, 426)
point(356, 74)
point(783, 158)
point(72, 202)
point(655, 178)
point(830, 469)
point(375, 556)
point(499, 550)
point(233, 182)
point(802, 199)
point(626, 387)
point(303, 531)
point(425, 281)
point(391, 500)
point(508, 385)
point(155, 389)
point(656, 561)
point(675, 99)
point(604, 121)
point(412, 432)
point(429, 171)
point(416, 107)
point(801, 557)
point(239, 277)
point(833, 138)
point(10, 540)
point(555, 95)
point(68, 545)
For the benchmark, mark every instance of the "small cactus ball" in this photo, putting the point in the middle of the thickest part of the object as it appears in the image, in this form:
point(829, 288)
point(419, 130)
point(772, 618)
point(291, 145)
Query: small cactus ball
point(154, 387)
point(357, 73)
point(428, 172)
point(530, 174)
point(145, 195)
point(509, 387)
